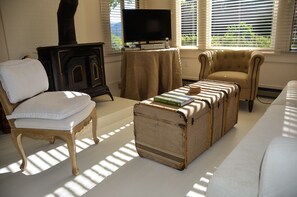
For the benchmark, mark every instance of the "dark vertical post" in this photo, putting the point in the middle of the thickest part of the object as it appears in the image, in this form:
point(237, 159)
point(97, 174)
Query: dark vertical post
point(66, 28)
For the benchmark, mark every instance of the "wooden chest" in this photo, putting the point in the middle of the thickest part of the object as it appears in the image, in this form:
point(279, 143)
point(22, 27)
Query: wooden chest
point(216, 100)
point(175, 136)
point(170, 135)
point(232, 93)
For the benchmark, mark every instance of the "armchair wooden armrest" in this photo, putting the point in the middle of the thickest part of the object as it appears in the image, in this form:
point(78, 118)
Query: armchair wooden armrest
point(256, 60)
point(206, 62)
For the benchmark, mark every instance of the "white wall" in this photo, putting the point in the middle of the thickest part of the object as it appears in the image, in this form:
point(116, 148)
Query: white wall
point(3, 46)
point(29, 24)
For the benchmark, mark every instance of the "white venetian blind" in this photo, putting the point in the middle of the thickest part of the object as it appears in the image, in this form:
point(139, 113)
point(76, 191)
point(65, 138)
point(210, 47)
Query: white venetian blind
point(188, 23)
point(242, 23)
point(112, 22)
point(294, 30)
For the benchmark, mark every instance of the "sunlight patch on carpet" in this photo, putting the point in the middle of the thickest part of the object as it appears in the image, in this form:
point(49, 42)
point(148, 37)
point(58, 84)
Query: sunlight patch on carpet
point(87, 180)
point(199, 189)
point(43, 160)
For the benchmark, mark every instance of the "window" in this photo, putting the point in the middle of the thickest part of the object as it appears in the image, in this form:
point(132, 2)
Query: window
point(265, 24)
point(241, 23)
point(294, 31)
point(188, 23)
point(112, 22)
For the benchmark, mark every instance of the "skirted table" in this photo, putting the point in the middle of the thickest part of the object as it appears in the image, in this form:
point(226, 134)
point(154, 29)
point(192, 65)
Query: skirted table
point(147, 73)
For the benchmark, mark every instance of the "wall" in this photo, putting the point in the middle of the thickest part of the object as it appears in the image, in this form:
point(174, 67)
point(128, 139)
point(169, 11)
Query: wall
point(33, 23)
point(3, 46)
point(29, 24)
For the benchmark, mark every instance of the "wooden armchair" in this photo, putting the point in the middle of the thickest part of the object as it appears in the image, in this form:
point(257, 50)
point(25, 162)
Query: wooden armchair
point(33, 113)
point(241, 67)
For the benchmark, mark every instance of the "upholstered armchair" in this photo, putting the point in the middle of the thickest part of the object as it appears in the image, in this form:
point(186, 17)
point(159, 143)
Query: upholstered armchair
point(241, 67)
point(34, 113)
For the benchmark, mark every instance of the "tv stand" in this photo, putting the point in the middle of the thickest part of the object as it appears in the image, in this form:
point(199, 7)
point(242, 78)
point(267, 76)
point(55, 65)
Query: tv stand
point(147, 46)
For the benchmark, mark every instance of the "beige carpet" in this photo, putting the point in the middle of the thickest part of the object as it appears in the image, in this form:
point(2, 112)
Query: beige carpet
point(112, 168)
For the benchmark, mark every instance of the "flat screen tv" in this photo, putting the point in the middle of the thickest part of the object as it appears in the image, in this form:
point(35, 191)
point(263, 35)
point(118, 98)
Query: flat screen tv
point(146, 25)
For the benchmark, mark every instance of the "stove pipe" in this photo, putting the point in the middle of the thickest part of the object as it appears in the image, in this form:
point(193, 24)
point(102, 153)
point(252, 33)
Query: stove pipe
point(66, 28)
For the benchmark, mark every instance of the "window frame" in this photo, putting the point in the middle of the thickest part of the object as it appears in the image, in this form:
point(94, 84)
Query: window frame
point(105, 14)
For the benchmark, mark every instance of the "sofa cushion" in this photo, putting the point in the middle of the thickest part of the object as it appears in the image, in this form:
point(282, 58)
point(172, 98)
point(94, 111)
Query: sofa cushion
point(22, 79)
point(51, 105)
point(238, 174)
point(278, 173)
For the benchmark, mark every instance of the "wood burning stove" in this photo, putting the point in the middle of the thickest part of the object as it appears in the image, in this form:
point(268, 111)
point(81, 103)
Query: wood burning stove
point(72, 66)
point(77, 67)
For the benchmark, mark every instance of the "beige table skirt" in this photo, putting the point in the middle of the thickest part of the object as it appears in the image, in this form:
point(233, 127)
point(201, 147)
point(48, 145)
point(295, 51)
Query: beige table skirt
point(147, 73)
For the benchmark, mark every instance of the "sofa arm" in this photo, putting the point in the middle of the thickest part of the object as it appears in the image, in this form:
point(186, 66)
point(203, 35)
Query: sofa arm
point(278, 169)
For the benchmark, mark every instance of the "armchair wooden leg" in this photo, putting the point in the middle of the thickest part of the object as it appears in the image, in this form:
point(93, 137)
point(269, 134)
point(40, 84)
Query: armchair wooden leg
point(251, 105)
point(52, 140)
point(94, 127)
point(72, 154)
point(17, 140)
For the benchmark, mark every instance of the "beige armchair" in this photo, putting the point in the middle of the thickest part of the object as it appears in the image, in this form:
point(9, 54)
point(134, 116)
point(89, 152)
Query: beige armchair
point(241, 67)
point(34, 113)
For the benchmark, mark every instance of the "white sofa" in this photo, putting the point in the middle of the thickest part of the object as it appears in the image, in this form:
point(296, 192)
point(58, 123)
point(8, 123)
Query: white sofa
point(251, 169)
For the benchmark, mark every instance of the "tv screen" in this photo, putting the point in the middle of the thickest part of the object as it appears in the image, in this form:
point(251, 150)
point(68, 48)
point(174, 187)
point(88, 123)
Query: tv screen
point(146, 25)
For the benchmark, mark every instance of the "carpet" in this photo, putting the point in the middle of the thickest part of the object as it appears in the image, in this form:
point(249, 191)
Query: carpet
point(111, 168)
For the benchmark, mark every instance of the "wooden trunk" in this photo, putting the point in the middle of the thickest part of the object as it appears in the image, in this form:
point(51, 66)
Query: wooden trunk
point(175, 136)
point(232, 94)
point(216, 100)
point(170, 135)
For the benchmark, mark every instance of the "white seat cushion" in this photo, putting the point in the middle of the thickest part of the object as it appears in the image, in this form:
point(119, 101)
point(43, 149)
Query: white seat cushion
point(51, 105)
point(22, 79)
point(278, 170)
point(65, 124)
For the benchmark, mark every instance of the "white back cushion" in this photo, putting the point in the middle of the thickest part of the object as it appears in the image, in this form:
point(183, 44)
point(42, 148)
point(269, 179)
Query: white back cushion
point(22, 79)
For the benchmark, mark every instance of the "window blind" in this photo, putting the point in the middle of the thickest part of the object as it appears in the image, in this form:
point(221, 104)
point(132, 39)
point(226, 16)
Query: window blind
point(294, 30)
point(242, 23)
point(188, 20)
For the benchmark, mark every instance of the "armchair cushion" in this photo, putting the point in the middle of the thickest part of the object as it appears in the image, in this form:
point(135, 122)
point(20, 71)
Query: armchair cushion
point(15, 73)
point(231, 60)
point(51, 105)
point(231, 76)
point(66, 124)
